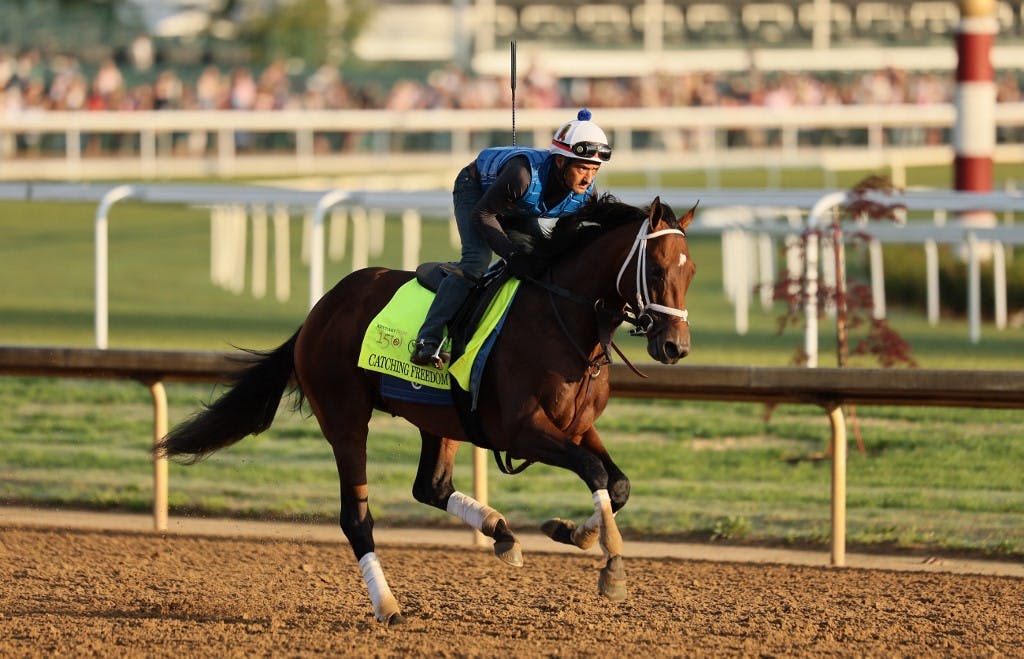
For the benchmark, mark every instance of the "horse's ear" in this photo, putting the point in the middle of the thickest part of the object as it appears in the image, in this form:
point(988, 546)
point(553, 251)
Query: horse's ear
point(685, 220)
point(655, 214)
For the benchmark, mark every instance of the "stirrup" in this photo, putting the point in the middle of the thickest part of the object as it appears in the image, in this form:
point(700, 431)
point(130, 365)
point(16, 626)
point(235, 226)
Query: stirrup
point(428, 353)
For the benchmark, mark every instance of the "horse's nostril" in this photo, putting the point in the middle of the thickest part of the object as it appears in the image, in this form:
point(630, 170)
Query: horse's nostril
point(677, 351)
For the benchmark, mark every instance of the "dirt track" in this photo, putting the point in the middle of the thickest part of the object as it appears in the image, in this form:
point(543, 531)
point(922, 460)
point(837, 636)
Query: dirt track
point(114, 593)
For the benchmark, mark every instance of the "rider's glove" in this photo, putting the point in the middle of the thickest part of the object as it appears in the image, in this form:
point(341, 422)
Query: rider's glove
point(525, 265)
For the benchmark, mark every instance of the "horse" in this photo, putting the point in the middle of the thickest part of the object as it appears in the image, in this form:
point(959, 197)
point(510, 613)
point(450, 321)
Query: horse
point(615, 263)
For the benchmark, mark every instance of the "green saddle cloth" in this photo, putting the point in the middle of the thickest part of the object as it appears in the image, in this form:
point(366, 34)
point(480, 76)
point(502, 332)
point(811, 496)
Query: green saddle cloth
point(391, 337)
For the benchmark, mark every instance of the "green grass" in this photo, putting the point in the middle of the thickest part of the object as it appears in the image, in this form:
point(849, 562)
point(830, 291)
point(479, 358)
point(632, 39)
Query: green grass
point(944, 479)
point(931, 478)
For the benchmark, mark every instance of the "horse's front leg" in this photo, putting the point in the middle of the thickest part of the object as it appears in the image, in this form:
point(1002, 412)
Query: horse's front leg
point(591, 468)
point(585, 535)
point(433, 486)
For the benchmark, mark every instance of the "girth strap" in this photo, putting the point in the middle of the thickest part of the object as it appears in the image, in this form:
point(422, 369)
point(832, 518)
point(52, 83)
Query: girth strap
point(507, 467)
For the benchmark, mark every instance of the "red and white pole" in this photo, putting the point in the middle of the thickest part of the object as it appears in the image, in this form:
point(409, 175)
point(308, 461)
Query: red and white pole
point(974, 135)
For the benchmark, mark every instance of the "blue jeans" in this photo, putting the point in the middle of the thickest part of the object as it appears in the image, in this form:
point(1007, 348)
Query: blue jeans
point(476, 256)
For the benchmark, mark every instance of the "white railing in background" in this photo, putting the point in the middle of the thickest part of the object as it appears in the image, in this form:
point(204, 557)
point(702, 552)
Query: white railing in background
point(743, 218)
point(179, 144)
point(749, 266)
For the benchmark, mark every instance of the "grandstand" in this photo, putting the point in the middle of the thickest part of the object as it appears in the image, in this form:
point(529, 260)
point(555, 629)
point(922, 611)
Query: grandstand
point(572, 38)
point(636, 37)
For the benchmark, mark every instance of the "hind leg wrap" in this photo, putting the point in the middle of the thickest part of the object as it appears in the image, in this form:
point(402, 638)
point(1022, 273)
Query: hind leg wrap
point(585, 535)
point(491, 523)
point(481, 517)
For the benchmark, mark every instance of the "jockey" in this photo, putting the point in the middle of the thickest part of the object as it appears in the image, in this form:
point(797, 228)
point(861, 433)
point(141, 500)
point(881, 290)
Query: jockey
point(512, 188)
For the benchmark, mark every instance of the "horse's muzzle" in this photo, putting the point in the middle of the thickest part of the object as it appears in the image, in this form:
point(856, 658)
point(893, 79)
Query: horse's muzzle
point(670, 344)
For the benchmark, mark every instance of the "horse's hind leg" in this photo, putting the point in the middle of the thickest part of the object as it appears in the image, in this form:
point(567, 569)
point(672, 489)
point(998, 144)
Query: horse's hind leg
point(433, 486)
point(345, 427)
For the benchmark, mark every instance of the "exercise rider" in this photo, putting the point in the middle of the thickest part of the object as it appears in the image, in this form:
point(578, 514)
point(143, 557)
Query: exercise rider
point(517, 188)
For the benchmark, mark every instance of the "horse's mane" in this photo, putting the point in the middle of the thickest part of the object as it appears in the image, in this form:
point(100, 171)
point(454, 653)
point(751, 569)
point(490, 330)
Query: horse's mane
point(596, 218)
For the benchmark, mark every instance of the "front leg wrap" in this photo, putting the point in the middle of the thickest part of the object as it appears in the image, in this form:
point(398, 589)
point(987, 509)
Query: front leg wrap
point(586, 534)
point(611, 539)
point(612, 583)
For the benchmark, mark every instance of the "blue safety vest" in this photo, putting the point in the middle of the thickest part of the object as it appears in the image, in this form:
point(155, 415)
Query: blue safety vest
point(490, 161)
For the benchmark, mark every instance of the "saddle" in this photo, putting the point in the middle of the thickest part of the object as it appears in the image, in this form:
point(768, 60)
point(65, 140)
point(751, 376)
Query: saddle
point(465, 321)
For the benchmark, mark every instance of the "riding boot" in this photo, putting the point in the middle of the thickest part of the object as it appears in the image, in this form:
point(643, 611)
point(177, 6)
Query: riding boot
point(450, 296)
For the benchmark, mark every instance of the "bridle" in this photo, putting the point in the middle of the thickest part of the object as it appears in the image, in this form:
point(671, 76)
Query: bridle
point(644, 307)
point(637, 314)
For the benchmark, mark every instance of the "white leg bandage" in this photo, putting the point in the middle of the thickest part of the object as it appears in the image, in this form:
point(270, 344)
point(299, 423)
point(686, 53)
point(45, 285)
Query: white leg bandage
point(611, 539)
point(586, 533)
point(380, 592)
point(469, 510)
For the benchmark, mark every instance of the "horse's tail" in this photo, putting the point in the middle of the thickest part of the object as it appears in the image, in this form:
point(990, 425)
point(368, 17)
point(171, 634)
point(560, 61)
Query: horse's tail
point(247, 408)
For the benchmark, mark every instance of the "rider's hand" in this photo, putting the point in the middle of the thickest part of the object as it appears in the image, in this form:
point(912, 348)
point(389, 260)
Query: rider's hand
point(525, 265)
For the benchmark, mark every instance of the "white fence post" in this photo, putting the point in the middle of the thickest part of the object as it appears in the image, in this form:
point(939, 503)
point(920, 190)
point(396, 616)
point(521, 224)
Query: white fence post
point(282, 254)
point(360, 238)
point(102, 312)
point(877, 278)
point(259, 251)
point(336, 233)
point(239, 239)
point(316, 243)
point(766, 269)
point(378, 225)
point(820, 207)
point(931, 259)
point(999, 283)
point(411, 227)
point(973, 288)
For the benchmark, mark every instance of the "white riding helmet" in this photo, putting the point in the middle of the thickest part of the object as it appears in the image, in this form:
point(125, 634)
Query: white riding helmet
point(581, 139)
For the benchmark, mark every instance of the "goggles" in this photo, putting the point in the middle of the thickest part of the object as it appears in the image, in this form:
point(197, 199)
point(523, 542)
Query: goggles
point(592, 149)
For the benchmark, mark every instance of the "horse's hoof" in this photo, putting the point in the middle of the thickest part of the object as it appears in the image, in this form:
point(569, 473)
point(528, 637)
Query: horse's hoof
point(612, 583)
point(394, 620)
point(559, 530)
point(509, 552)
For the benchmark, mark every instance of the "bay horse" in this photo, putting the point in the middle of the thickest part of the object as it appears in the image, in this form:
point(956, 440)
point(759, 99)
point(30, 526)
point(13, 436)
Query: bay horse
point(543, 387)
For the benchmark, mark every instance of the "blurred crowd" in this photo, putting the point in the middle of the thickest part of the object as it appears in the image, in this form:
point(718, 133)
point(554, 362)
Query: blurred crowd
point(30, 82)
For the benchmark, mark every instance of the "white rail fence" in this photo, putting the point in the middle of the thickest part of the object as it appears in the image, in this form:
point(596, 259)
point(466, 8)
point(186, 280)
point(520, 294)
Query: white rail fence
point(221, 144)
point(748, 235)
point(748, 221)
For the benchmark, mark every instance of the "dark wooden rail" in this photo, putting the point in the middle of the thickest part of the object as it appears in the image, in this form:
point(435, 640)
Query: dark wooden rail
point(819, 386)
point(829, 388)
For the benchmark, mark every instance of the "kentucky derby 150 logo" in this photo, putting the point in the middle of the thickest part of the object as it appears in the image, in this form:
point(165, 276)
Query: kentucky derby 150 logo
point(389, 336)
